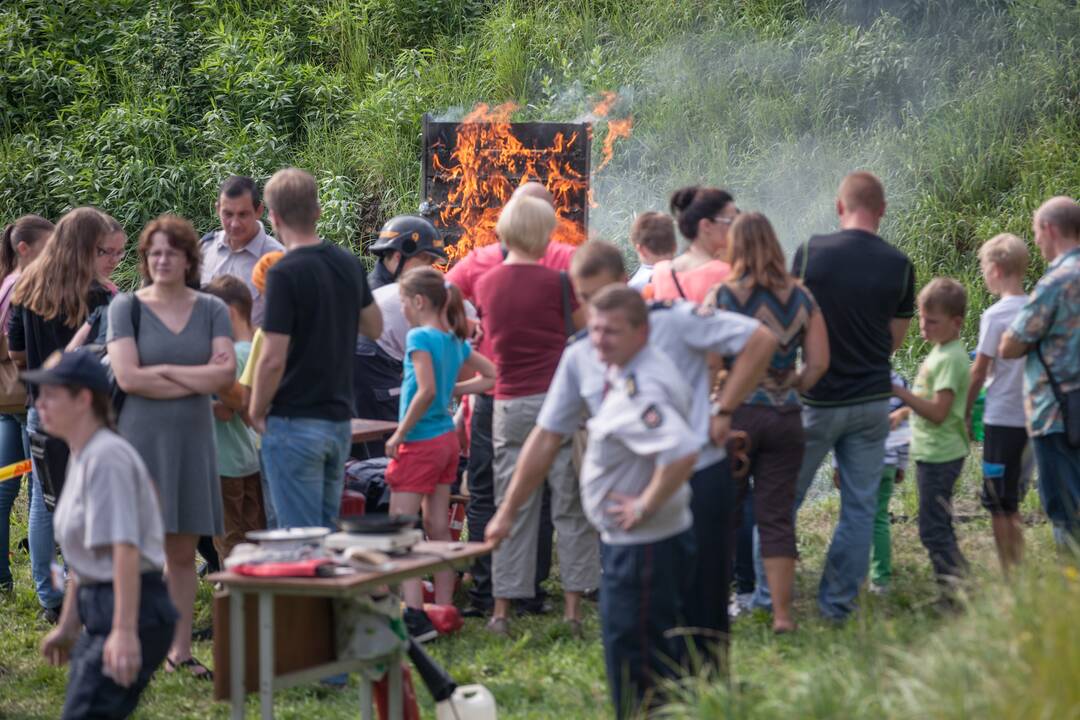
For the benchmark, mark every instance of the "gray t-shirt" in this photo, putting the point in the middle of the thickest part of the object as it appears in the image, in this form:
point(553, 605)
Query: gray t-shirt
point(640, 425)
point(685, 333)
point(108, 498)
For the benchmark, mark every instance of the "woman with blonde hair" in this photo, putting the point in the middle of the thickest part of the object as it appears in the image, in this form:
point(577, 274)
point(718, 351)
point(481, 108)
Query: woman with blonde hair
point(527, 311)
point(169, 364)
point(761, 287)
point(53, 297)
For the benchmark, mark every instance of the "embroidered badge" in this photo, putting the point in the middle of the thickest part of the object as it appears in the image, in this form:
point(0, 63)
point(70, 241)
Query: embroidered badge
point(652, 417)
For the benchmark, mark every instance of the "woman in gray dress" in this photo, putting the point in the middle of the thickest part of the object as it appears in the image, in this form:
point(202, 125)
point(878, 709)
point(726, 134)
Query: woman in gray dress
point(181, 354)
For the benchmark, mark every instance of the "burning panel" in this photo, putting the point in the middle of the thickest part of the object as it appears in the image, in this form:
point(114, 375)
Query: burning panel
point(471, 168)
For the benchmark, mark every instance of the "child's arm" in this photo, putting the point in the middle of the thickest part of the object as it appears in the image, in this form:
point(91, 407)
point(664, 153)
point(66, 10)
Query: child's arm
point(421, 401)
point(980, 369)
point(935, 410)
point(482, 372)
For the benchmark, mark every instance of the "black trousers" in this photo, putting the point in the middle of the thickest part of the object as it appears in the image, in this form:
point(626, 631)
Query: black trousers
point(937, 481)
point(482, 506)
point(89, 693)
point(706, 606)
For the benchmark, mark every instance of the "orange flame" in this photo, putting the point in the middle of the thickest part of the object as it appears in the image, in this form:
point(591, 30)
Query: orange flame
point(488, 162)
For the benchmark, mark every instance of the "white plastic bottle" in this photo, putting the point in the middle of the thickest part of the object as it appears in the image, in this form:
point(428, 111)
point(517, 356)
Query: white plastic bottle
point(469, 702)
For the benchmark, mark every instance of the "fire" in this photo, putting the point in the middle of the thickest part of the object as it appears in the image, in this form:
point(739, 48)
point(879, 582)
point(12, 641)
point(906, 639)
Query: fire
point(488, 161)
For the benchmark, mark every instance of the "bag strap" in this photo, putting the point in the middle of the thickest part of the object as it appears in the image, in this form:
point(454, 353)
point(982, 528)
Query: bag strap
point(1058, 395)
point(678, 285)
point(136, 317)
point(568, 315)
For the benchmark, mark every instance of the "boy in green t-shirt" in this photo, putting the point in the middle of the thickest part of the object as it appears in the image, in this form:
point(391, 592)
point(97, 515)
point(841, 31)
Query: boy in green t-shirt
point(939, 439)
point(238, 460)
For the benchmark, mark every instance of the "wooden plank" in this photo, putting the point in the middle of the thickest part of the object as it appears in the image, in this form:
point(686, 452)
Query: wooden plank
point(364, 430)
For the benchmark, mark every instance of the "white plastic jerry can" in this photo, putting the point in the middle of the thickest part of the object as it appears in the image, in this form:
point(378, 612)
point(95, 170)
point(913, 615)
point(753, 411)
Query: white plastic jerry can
point(469, 702)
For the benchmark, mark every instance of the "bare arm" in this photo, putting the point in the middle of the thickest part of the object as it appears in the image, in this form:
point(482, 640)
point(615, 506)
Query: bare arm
point(481, 376)
point(122, 653)
point(898, 327)
point(1012, 348)
point(815, 353)
point(421, 401)
point(232, 397)
point(748, 369)
point(268, 373)
point(935, 410)
point(18, 357)
point(578, 318)
point(980, 369)
point(371, 322)
point(79, 339)
point(135, 379)
point(537, 456)
point(56, 645)
point(207, 379)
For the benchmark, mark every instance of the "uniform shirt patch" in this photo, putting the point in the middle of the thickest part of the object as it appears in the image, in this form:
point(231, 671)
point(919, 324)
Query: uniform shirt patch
point(652, 417)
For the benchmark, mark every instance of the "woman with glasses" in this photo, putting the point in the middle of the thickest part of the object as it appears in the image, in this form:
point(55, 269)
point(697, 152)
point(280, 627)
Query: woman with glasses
point(704, 215)
point(169, 362)
point(110, 252)
point(761, 287)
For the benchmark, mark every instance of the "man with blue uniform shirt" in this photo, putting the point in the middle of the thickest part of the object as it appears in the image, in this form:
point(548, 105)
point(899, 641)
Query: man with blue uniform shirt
point(686, 334)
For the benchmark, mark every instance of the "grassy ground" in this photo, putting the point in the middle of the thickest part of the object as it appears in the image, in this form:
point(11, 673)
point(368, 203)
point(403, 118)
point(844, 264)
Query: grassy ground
point(1014, 653)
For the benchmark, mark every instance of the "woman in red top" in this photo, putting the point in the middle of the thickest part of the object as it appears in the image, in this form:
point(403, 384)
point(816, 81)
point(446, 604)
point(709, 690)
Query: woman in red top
point(527, 311)
point(704, 215)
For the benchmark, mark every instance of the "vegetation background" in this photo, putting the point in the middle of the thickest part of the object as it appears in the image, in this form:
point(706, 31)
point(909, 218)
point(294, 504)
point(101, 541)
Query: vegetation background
point(967, 109)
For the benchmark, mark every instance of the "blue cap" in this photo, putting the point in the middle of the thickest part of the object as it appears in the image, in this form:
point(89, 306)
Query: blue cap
point(79, 367)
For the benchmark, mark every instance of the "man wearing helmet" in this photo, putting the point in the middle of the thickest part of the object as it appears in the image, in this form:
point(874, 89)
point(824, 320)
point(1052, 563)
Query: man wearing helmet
point(401, 239)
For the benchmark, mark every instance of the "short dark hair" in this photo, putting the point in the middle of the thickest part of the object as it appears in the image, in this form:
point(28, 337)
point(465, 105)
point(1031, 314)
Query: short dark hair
point(233, 292)
point(236, 185)
point(595, 257)
point(944, 295)
point(654, 231)
point(626, 299)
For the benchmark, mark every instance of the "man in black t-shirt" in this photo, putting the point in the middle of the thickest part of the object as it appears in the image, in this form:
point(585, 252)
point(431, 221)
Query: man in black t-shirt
point(866, 290)
point(317, 301)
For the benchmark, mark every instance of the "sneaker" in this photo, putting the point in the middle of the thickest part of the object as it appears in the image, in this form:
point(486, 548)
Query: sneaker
point(419, 625)
point(498, 626)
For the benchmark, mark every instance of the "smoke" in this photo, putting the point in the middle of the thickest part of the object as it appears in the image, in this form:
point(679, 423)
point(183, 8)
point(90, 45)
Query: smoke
point(779, 123)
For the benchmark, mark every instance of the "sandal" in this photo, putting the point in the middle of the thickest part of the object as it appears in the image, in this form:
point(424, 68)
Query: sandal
point(193, 666)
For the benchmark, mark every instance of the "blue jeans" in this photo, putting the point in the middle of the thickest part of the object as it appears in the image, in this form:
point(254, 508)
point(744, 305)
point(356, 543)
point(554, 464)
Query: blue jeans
point(856, 434)
point(1059, 485)
point(642, 590)
point(42, 546)
point(12, 450)
point(304, 459)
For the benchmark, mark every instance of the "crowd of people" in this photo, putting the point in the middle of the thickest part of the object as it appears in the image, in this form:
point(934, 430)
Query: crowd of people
point(646, 429)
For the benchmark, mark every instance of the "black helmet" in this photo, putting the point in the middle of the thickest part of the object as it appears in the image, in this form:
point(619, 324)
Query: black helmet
point(409, 235)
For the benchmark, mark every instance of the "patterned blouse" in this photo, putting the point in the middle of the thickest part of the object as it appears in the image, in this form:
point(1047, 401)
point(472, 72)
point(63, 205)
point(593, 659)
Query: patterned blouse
point(787, 314)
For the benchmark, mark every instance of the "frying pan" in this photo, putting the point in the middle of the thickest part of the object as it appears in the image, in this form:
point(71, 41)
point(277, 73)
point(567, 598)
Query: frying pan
point(376, 524)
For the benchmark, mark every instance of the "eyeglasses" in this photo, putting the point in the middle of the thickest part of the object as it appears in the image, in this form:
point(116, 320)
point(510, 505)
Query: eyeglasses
point(117, 254)
point(723, 220)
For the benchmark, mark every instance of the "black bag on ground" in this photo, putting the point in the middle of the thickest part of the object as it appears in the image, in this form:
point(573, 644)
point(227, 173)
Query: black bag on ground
point(1069, 403)
point(50, 456)
point(368, 477)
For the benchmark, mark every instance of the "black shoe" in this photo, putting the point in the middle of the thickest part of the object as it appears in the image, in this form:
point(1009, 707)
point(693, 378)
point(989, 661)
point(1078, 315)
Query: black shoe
point(475, 611)
point(419, 625)
point(592, 595)
point(532, 606)
point(51, 615)
point(206, 633)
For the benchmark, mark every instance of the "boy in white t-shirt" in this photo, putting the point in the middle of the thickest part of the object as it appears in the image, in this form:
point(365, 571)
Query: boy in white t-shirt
point(653, 237)
point(1004, 260)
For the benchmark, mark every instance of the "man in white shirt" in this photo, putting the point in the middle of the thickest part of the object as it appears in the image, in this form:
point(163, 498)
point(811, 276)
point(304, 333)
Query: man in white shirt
point(241, 241)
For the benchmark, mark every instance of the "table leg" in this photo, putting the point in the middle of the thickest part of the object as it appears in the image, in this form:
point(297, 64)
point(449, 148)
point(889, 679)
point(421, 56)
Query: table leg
point(236, 653)
point(266, 655)
point(394, 708)
point(367, 711)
